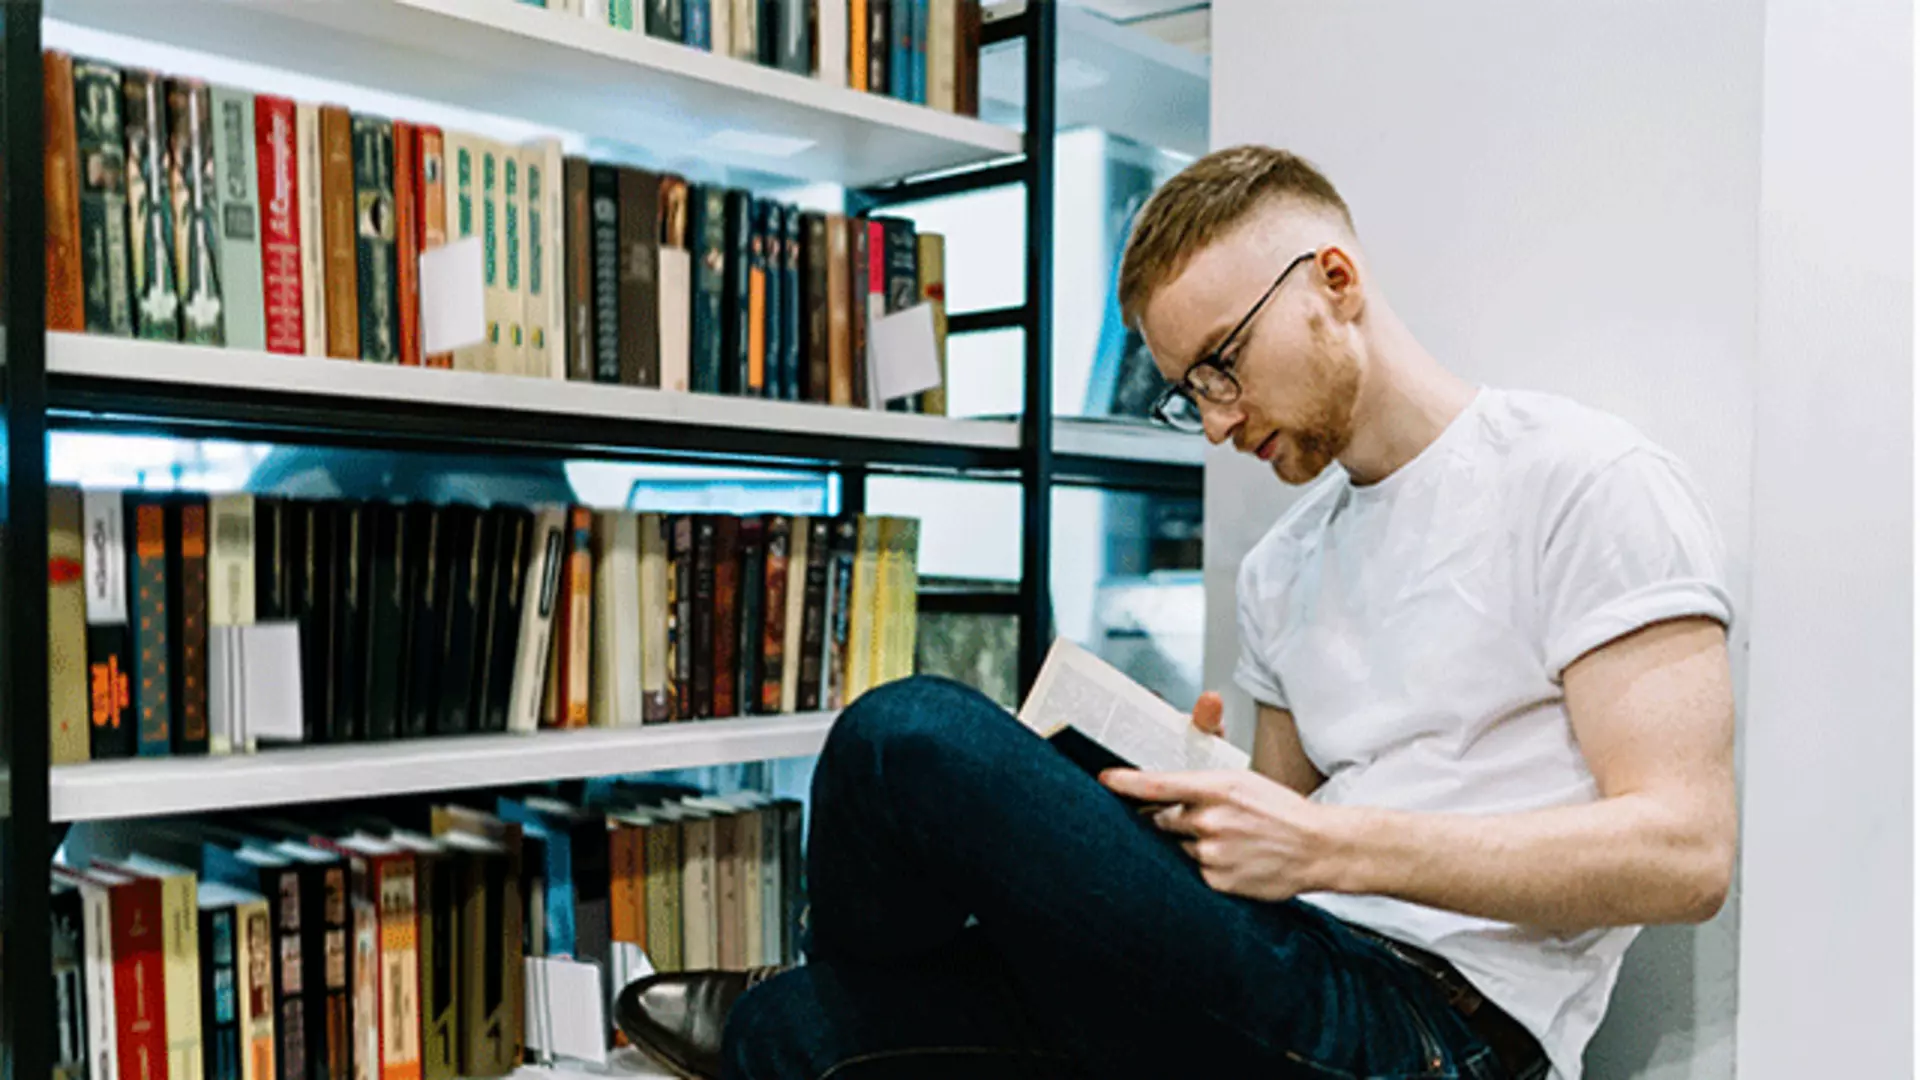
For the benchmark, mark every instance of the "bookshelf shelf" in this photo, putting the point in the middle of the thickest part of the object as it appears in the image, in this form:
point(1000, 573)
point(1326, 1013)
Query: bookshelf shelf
point(566, 72)
point(123, 383)
point(1122, 441)
point(137, 787)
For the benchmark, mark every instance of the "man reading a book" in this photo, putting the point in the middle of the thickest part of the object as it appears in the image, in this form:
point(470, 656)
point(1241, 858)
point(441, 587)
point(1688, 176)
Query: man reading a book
point(1495, 728)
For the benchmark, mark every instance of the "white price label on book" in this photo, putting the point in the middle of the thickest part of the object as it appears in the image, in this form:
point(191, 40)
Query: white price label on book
point(903, 354)
point(453, 296)
point(565, 1014)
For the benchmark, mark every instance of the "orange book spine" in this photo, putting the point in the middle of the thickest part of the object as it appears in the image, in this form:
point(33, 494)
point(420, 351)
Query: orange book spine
point(757, 331)
point(406, 239)
point(429, 180)
point(839, 315)
point(340, 233)
point(576, 639)
point(857, 44)
point(66, 288)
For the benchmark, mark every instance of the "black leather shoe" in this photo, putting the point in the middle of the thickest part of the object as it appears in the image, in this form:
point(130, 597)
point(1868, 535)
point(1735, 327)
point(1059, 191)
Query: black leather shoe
point(677, 1018)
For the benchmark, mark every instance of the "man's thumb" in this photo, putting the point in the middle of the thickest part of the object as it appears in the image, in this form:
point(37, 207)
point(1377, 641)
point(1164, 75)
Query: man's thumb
point(1208, 714)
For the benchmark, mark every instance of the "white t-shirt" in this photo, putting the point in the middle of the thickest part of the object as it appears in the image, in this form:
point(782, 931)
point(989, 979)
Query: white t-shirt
point(1418, 627)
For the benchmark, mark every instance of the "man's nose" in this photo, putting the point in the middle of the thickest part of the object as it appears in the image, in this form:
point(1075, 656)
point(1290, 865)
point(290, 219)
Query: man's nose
point(1219, 421)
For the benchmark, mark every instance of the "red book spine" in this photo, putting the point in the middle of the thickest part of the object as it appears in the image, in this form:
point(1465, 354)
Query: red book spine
point(277, 150)
point(406, 236)
point(429, 179)
point(139, 980)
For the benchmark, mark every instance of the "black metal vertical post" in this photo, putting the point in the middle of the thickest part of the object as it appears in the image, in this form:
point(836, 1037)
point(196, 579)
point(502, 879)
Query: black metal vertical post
point(28, 972)
point(1036, 419)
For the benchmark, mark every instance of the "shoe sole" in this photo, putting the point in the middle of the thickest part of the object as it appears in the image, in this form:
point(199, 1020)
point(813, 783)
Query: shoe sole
point(661, 1058)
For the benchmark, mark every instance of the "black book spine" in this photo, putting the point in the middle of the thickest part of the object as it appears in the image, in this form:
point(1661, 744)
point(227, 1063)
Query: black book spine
point(666, 19)
point(792, 313)
point(462, 540)
point(736, 312)
point(269, 560)
point(815, 361)
point(813, 617)
point(846, 547)
point(425, 620)
point(314, 597)
point(512, 549)
point(219, 1012)
point(603, 189)
point(705, 528)
point(101, 141)
point(860, 260)
point(770, 229)
point(680, 570)
point(373, 221)
point(387, 620)
point(752, 608)
point(879, 46)
point(187, 618)
point(349, 623)
point(709, 240)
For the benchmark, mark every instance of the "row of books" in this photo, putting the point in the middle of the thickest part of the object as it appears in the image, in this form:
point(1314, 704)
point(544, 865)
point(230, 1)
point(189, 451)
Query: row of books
point(395, 942)
point(923, 51)
point(410, 620)
point(179, 211)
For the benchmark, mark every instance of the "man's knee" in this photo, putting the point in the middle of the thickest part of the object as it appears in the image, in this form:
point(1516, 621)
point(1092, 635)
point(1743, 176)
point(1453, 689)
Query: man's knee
point(770, 1030)
point(922, 718)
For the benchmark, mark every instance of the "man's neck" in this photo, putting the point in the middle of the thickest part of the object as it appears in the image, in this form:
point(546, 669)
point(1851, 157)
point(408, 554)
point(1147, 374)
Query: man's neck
point(1408, 401)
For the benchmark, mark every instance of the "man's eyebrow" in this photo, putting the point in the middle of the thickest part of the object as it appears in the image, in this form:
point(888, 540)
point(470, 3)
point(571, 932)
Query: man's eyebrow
point(1214, 339)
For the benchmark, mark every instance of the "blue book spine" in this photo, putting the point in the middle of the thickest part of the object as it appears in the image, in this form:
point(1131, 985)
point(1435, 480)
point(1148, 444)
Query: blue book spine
point(900, 51)
point(922, 15)
point(561, 940)
point(699, 23)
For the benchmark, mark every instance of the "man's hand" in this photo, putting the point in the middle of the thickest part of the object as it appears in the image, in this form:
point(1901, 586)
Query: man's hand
point(1209, 714)
point(1251, 836)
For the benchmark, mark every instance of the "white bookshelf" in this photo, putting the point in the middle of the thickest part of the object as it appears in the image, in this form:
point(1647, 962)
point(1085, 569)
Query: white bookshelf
point(1115, 440)
point(76, 360)
point(567, 73)
point(138, 787)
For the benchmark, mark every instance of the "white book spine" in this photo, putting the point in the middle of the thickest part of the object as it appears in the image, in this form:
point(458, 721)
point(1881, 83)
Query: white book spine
point(795, 614)
point(771, 909)
point(597, 12)
point(943, 27)
point(313, 244)
point(830, 42)
point(626, 620)
point(103, 1054)
point(546, 260)
point(676, 315)
point(242, 284)
point(603, 698)
point(541, 592)
point(465, 219)
point(721, 28)
point(105, 559)
point(653, 617)
point(230, 574)
point(746, 29)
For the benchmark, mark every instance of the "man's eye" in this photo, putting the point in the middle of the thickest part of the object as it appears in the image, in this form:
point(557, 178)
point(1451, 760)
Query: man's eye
point(1225, 361)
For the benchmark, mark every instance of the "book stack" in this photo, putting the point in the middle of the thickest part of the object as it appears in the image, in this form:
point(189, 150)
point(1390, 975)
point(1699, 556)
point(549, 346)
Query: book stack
point(393, 942)
point(421, 619)
point(923, 51)
point(179, 211)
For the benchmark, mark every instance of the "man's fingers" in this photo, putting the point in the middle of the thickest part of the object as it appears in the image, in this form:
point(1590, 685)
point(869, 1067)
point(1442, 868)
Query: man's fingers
point(1167, 787)
point(1209, 713)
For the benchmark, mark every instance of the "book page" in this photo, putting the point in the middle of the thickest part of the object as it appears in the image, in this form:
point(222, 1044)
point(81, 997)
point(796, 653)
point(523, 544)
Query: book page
point(1076, 688)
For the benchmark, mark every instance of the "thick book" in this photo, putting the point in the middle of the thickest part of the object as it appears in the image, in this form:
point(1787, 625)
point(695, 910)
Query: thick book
point(546, 310)
point(816, 356)
point(966, 82)
point(698, 23)
point(666, 19)
point(943, 38)
point(339, 232)
point(236, 172)
point(187, 610)
point(751, 611)
point(857, 66)
point(579, 269)
point(736, 286)
point(374, 266)
point(707, 239)
point(139, 971)
point(615, 697)
point(699, 897)
point(639, 277)
point(676, 287)
point(156, 291)
point(513, 559)
point(879, 46)
point(406, 241)
point(66, 924)
point(1100, 719)
point(426, 619)
point(386, 617)
point(755, 378)
point(220, 988)
point(462, 538)
point(792, 304)
point(283, 291)
point(150, 618)
point(110, 665)
point(931, 249)
point(794, 620)
point(66, 283)
point(839, 314)
point(67, 708)
point(705, 530)
point(540, 597)
point(900, 49)
point(195, 193)
point(777, 529)
point(311, 552)
point(770, 233)
point(430, 185)
point(251, 992)
point(352, 596)
point(813, 627)
point(311, 149)
point(604, 192)
point(437, 949)
point(576, 621)
point(655, 706)
point(835, 692)
point(681, 588)
point(862, 610)
point(100, 142)
point(726, 615)
point(859, 304)
point(488, 969)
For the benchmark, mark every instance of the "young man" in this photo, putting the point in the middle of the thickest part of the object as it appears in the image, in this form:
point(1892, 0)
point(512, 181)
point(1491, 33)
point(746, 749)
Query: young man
point(1494, 736)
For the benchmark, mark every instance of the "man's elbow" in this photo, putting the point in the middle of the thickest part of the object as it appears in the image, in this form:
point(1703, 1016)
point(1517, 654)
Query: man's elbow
point(1707, 880)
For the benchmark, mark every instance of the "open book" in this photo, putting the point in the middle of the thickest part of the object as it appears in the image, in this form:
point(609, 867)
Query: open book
point(1100, 719)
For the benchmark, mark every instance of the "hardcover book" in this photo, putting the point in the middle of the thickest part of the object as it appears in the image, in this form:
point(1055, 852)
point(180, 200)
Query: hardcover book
point(150, 240)
point(239, 256)
point(104, 179)
point(195, 194)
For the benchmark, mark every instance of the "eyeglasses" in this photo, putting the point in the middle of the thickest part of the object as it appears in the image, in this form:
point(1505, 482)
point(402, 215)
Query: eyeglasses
point(1211, 377)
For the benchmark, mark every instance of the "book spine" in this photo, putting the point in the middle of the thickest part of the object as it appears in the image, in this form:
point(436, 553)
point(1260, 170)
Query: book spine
point(666, 19)
point(655, 707)
point(147, 578)
point(100, 140)
point(857, 63)
point(195, 193)
point(67, 627)
point(540, 595)
point(235, 219)
point(676, 288)
point(826, 53)
point(773, 606)
point(386, 641)
point(709, 294)
point(139, 983)
point(705, 528)
point(493, 255)
point(66, 286)
point(576, 630)
point(513, 553)
point(276, 148)
point(681, 574)
point(859, 260)
point(638, 277)
point(932, 267)
point(430, 183)
point(900, 49)
point(406, 242)
point(794, 620)
point(699, 23)
point(545, 236)
point(426, 619)
point(399, 978)
point(579, 263)
point(792, 305)
point(353, 531)
point(434, 900)
point(737, 280)
point(462, 537)
point(180, 942)
point(186, 521)
point(919, 44)
point(726, 615)
point(379, 323)
point(816, 386)
point(110, 669)
point(253, 990)
point(516, 245)
point(751, 606)
point(840, 590)
point(943, 31)
point(156, 293)
point(720, 15)
point(879, 46)
point(604, 188)
point(813, 628)
point(233, 596)
point(756, 370)
point(862, 610)
point(313, 238)
point(365, 991)
point(839, 314)
point(770, 229)
point(103, 1054)
point(338, 199)
point(465, 221)
point(331, 968)
point(966, 88)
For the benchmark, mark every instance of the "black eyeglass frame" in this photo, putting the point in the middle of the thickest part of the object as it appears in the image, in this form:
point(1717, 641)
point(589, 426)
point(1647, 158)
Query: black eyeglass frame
point(1186, 387)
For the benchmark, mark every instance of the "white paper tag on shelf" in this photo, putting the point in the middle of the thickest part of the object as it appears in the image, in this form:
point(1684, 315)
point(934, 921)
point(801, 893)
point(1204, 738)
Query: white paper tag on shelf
point(902, 353)
point(453, 296)
point(269, 670)
point(630, 965)
point(565, 1014)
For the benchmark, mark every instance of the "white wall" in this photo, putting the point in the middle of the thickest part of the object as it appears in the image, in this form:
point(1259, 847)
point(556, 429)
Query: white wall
point(1560, 196)
point(1827, 925)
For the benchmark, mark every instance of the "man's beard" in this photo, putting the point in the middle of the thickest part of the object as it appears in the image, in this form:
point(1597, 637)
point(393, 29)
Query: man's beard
point(1321, 432)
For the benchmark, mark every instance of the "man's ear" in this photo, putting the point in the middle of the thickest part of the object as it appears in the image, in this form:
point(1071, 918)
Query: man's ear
point(1340, 279)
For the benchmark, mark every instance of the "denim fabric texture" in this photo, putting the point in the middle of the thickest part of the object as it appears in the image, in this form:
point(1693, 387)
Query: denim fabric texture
point(981, 908)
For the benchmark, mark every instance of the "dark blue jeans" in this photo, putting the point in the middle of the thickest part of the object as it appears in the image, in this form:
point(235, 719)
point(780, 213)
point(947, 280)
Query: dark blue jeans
point(981, 908)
